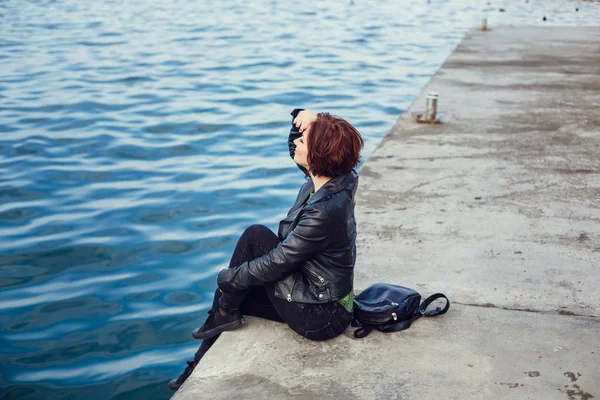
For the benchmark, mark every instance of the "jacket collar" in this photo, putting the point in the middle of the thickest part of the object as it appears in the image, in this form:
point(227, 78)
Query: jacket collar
point(348, 181)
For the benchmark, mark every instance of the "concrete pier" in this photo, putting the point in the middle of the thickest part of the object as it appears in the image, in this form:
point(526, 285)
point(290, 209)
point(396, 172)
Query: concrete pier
point(499, 208)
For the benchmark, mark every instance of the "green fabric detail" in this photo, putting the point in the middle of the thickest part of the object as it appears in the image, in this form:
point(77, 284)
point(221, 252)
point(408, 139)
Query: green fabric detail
point(348, 301)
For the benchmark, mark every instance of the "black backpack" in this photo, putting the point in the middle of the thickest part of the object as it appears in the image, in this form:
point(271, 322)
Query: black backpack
point(391, 308)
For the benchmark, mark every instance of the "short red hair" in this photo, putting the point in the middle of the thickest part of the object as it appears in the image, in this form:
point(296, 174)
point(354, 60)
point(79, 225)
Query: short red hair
point(333, 146)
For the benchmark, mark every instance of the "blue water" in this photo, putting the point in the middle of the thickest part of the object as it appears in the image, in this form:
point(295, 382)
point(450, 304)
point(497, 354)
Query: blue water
point(138, 139)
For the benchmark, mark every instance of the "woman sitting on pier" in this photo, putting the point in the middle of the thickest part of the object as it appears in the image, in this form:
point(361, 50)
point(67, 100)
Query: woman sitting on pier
point(302, 276)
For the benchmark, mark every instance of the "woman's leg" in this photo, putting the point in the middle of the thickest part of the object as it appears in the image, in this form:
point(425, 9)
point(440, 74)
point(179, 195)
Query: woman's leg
point(256, 241)
point(314, 321)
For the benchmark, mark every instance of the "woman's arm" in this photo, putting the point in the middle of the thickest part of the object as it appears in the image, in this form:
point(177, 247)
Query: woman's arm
point(299, 123)
point(309, 237)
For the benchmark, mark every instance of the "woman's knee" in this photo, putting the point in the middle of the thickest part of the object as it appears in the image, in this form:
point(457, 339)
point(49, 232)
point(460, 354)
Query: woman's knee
point(257, 228)
point(259, 231)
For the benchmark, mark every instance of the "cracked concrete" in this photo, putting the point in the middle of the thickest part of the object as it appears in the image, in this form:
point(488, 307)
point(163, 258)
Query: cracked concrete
point(499, 208)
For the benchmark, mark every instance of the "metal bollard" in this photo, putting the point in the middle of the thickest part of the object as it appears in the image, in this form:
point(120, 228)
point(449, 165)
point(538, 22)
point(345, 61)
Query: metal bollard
point(484, 24)
point(431, 107)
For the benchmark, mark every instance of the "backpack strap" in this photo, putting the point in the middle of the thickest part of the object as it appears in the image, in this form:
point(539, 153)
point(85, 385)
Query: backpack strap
point(422, 311)
point(363, 331)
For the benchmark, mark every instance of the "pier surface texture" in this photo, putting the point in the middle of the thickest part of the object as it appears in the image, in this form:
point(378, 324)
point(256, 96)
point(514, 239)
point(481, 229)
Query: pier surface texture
point(499, 208)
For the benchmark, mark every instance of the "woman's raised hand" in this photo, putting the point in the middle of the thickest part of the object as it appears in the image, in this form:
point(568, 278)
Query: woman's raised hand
point(304, 119)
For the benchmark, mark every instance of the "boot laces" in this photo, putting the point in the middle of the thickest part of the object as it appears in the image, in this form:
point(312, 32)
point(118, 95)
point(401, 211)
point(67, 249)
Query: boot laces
point(187, 372)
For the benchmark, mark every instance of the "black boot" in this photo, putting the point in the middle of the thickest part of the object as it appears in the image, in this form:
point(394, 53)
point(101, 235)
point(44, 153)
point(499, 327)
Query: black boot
point(176, 383)
point(217, 323)
point(204, 347)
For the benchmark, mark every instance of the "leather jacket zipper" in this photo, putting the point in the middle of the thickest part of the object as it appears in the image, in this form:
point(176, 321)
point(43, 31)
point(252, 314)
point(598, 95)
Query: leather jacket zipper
point(289, 296)
point(313, 273)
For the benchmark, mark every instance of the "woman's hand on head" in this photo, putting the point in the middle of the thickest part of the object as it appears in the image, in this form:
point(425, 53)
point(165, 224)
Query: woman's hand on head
point(304, 119)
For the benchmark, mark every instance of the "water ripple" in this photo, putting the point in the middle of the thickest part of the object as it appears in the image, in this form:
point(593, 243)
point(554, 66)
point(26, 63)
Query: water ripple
point(139, 139)
point(102, 369)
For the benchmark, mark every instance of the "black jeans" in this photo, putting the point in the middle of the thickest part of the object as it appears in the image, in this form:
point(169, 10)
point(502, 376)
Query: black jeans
point(313, 321)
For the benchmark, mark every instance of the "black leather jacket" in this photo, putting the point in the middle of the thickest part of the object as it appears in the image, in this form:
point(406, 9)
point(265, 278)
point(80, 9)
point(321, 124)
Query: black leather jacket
point(314, 261)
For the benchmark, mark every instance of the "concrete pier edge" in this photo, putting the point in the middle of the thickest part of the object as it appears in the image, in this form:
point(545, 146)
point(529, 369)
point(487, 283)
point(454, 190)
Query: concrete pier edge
point(499, 208)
